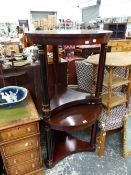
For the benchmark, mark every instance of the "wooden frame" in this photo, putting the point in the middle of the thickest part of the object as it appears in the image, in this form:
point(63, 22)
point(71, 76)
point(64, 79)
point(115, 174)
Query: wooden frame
point(126, 136)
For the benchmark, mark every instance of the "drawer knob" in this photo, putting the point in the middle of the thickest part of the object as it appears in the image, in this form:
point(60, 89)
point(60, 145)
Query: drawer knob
point(28, 129)
point(33, 165)
point(14, 160)
point(9, 134)
point(32, 155)
point(26, 144)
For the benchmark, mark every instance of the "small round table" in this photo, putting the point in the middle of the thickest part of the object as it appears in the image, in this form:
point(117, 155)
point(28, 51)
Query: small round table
point(113, 60)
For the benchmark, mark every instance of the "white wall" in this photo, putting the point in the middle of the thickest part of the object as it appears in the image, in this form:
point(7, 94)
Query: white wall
point(115, 8)
point(12, 10)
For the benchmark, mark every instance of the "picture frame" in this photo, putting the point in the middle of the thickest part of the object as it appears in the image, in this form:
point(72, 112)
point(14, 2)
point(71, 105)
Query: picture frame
point(127, 135)
point(24, 24)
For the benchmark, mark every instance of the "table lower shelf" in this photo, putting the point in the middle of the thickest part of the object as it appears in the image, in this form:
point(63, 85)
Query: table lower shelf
point(116, 100)
point(66, 145)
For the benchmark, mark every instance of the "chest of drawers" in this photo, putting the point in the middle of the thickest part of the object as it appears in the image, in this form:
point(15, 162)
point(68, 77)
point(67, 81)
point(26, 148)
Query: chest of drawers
point(20, 140)
point(120, 45)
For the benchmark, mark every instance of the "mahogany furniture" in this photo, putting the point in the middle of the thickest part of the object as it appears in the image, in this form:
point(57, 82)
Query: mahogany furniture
point(29, 77)
point(20, 139)
point(66, 110)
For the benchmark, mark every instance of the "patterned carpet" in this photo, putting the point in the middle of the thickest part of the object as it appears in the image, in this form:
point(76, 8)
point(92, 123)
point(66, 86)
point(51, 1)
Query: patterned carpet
point(88, 163)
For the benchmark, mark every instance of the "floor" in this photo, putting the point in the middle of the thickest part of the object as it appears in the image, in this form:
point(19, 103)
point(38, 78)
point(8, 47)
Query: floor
point(88, 163)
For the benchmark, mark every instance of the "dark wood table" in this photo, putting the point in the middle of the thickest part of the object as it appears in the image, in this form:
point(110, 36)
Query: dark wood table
point(67, 110)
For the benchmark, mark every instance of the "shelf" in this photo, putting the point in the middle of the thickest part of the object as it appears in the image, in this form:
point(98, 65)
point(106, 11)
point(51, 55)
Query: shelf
point(119, 29)
point(116, 81)
point(68, 111)
point(74, 117)
point(115, 100)
point(67, 145)
point(64, 97)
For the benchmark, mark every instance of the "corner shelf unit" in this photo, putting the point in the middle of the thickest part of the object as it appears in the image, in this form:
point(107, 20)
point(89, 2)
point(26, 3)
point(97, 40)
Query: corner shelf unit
point(68, 110)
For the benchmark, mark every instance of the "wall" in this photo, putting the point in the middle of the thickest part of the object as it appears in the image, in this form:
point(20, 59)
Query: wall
point(115, 8)
point(90, 13)
point(12, 10)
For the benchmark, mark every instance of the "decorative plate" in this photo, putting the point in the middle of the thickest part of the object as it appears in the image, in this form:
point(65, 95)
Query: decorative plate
point(11, 95)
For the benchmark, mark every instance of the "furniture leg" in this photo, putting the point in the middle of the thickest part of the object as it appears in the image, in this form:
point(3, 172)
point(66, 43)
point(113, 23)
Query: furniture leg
point(93, 135)
point(109, 89)
point(101, 143)
point(129, 87)
point(94, 73)
point(49, 146)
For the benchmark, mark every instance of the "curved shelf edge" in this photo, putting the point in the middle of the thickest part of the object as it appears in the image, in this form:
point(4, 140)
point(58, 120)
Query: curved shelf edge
point(67, 145)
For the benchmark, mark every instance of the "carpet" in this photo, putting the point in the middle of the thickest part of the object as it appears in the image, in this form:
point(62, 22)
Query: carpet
point(88, 163)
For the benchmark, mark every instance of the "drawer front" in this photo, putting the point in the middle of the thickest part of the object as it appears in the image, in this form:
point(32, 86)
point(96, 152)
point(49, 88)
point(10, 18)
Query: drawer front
point(18, 132)
point(116, 49)
point(22, 157)
point(24, 168)
point(20, 146)
point(113, 43)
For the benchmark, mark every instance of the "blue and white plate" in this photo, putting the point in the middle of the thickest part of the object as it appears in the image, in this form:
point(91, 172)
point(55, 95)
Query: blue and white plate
point(11, 95)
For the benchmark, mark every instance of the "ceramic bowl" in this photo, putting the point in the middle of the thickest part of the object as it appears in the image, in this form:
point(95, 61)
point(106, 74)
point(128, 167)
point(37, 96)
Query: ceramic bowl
point(11, 95)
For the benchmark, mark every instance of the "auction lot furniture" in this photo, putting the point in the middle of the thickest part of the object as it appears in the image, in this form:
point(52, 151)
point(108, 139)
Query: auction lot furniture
point(120, 45)
point(67, 110)
point(28, 76)
point(108, 122)
point(114, 60)
point(20, 139)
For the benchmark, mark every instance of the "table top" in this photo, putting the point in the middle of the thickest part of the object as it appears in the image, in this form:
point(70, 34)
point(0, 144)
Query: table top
point(67, 37)
point(114, 59)
point(23, 112)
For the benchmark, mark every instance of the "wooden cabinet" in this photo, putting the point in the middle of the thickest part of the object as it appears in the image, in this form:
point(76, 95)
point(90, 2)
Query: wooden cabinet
point(122, 45)
point(20, 140)
point(29, 77)
point(118, 29)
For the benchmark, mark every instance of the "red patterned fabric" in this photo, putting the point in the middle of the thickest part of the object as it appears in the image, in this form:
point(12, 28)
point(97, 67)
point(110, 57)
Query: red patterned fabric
point(71, 57)
point(69, 47)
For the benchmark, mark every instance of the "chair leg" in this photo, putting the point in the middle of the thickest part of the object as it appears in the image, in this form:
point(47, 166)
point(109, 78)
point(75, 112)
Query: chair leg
point(101, 143)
